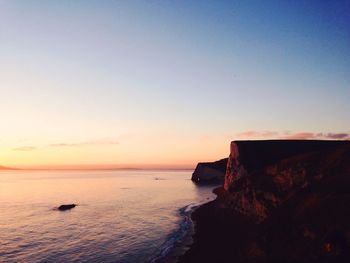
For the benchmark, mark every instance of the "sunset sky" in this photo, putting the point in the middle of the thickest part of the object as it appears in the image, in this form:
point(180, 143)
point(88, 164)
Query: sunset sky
point(167, 83)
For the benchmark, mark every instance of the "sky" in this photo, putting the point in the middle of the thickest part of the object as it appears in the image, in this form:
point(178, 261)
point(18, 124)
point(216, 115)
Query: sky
point(167, 83)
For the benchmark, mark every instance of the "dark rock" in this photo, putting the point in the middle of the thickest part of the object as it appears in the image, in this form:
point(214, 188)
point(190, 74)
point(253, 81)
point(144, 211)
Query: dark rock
point(261, 175)
point(66, 207)
point(210, 172)
point(282, 201)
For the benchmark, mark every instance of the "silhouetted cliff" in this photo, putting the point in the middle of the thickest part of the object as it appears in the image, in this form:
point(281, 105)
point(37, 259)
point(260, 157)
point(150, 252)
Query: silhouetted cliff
point(282, 201)
point(210, 172)
point(262, 174)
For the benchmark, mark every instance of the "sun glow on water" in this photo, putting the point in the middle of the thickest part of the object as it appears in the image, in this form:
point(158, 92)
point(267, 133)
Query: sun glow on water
point(122, 216)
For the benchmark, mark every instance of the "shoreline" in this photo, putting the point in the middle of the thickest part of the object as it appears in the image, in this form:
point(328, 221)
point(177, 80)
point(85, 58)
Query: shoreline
point(219, 235)
point(180, 242)
point(306, 190)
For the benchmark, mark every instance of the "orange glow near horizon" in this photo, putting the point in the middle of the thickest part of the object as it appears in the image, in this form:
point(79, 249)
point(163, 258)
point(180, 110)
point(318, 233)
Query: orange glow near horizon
point(125, 84)
point(147, 151)
point(150, 152)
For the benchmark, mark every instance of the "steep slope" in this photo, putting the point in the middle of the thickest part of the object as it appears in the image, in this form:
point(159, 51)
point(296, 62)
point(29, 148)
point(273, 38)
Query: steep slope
point(282, 201)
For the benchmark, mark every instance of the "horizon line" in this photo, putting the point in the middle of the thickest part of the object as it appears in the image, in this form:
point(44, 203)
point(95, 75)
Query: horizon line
point(94, 168)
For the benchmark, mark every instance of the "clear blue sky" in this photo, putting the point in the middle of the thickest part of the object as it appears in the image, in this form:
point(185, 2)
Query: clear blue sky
point(73, 71)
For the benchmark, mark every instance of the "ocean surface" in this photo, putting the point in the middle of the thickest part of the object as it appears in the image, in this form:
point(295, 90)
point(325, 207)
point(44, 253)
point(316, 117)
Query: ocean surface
point(122, 216)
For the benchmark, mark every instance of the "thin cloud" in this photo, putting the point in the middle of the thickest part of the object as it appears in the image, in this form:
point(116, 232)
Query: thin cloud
point(300, 136)
point(86, 143)
point(310, 135)
point(63, 144)
point(291, 136)
point(252, 134)
point(25, 148)
point(103, 141)
point(337, 136)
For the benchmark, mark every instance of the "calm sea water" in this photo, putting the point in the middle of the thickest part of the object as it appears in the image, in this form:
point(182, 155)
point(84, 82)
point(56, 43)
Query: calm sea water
point(122, 216)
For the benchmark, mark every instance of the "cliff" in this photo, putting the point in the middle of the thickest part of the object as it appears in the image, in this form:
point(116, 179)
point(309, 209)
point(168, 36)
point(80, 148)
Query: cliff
point(261, 175)
point(281, 201)
point(210, 172)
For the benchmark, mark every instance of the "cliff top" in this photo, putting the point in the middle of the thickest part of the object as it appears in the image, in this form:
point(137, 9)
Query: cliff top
point(257, 154)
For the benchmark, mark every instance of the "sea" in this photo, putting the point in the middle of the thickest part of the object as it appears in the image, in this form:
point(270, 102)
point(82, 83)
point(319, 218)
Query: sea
point(121, 216)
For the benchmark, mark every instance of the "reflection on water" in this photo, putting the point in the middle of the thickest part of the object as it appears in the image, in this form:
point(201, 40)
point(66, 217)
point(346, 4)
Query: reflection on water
point(122, 216)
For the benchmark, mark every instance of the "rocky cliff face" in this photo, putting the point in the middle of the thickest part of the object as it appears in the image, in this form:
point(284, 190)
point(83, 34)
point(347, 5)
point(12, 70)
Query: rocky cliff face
point(210, 172)
point(261, 175)
point(282, 201)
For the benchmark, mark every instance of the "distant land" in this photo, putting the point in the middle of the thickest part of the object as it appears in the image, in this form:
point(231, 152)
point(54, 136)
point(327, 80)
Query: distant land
point(95, 168)
point(7, 168)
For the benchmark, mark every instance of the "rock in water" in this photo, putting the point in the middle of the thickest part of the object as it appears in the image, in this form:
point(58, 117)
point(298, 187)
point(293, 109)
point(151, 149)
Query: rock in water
point(66, 207)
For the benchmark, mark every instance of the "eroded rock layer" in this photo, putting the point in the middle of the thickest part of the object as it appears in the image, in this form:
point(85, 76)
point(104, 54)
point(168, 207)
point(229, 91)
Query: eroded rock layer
point(261, 175)
point(282, 201)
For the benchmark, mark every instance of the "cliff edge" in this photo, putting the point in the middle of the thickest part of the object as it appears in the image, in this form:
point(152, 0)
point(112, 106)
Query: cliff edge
point(210, 172)
point(261, 175)
point(281, 201)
